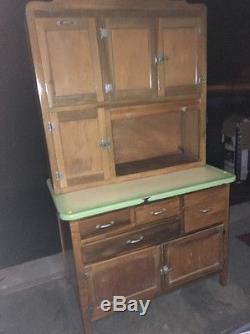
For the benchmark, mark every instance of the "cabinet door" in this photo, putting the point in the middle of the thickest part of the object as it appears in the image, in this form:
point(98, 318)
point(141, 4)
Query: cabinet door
point(129, 49)
point(134, 276)
point(179, 56)
point(77, 136)
point(70, 60)
point(194, 256)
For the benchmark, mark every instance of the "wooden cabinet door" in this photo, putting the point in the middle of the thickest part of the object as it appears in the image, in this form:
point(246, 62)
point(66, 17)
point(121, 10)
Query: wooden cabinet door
point(194, 256)
point(129, 45)
point(180, 56)
point(70, 60)
point(134, 276)
point(77, 136)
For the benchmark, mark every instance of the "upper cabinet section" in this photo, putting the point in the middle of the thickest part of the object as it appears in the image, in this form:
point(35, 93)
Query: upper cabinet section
point(70, 60)
point(89, 55)
point(128, 54)
point(179, 56)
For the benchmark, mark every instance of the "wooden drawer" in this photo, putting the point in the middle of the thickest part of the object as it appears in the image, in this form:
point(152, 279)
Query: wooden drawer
point(157, 211)
point(205, 208)
point(113, 221)
point(110, 247)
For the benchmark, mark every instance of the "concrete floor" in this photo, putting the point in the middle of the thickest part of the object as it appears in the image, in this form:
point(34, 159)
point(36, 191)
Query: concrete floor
point(45, 304)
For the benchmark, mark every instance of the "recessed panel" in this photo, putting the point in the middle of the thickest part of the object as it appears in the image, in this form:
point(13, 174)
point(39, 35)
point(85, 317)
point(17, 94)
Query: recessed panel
point(180, 47)
point(131, 57)
point(71, 62)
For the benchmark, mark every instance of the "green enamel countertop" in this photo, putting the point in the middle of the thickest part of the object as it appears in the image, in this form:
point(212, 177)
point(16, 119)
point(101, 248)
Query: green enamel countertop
point(93, 201)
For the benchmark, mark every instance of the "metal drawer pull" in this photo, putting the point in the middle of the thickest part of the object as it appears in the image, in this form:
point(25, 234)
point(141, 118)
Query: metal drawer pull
point(205, 210)
point(131, 242)
point(157, 213)
point(66, 22)
point(99, 227)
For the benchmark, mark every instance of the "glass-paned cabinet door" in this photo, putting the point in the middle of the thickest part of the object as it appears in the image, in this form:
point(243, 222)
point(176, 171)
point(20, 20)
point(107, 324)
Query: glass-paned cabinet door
point(180, 56)
point(152, 137)
point(128, 46)
point(78, 145)
point(70, 60)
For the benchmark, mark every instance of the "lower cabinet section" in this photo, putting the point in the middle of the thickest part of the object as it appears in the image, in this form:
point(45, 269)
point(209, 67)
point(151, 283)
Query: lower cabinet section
point(134, 276)
point(144, 251)
point(146, 273)
point(193, 256)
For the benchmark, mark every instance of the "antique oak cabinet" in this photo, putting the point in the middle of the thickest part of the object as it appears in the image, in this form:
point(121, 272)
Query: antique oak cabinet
point(122, 88)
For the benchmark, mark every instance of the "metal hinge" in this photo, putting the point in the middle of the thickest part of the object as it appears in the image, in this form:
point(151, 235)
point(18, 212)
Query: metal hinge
point(108, 88)
point(105, 143)
point(84, 275)
point(201, 31)
point(51, 126)
point(90, 310)
point(201, 79)
point(104, 33)
point(59, 176)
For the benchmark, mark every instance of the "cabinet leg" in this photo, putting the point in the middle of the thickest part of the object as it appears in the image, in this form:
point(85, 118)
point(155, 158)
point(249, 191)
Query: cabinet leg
point(224, 277)
point(63, 247)
point(87, 326)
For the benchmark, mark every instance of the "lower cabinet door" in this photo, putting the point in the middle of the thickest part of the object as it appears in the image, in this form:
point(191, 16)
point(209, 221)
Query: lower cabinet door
point(134, 276)
point(193, 256)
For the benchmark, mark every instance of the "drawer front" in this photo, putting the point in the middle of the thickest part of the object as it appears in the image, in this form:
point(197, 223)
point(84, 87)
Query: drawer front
point(110, 247)
point(205, 208)
point(157, 211)
point(105, 223)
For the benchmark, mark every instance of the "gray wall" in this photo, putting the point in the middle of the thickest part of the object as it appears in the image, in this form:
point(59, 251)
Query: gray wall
point(27, 218)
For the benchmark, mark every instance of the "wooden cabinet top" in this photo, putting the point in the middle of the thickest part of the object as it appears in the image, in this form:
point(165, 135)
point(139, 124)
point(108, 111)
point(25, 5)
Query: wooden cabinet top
point(110, 4)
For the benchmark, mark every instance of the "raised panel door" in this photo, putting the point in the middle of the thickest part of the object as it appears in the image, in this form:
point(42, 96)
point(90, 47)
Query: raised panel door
point(129, 48)
point(134, 276)
point(70, 60)
point(77, 137)
point(179, 56)
point(194, 256)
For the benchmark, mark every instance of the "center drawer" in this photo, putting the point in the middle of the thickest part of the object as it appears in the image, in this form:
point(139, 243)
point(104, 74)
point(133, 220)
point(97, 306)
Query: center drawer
point(159, 210)
point(110, 247)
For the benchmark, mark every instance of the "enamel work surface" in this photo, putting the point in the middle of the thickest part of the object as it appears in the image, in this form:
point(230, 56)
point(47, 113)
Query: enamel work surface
point(94, 201)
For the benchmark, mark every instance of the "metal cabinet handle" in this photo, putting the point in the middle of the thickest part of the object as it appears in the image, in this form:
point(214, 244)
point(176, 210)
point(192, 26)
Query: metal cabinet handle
point(204, 210)
point(66, 22)
point(131, 242)
point(157, 213)
point(165, 269)
point(99, 227)
point(161, 58)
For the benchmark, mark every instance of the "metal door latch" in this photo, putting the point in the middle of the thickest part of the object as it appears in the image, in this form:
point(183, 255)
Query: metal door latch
point(161, 58)
point(105, 143)
point(165, 269)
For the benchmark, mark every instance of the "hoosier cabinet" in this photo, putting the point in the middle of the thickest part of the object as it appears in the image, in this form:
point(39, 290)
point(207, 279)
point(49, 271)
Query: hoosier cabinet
point(122, 88)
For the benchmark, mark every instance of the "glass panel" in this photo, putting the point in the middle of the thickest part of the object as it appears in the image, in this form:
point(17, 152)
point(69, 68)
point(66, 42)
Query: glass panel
point(152, 139)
